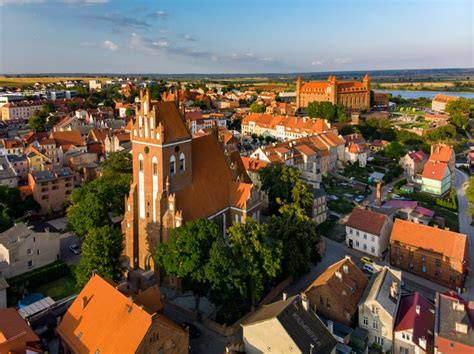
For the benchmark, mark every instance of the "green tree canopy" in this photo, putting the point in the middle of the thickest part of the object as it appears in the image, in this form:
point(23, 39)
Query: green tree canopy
point(101, 251)
point(299, 239)
point(461, 106)
point(394, 150)
point(118, 162)
point(257, 108)
point(241, 264)
point(186, 254)
point(284, 186)
point(12, 206)
point(38, 121)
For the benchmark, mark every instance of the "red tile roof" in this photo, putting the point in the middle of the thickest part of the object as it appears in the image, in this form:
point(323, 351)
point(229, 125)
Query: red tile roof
point(67, 138)
point(367, 221)
point(440, 152)
point(15, 334)
point(450, 244)
point(435, 170)
point(416, 314)
point(445, 98)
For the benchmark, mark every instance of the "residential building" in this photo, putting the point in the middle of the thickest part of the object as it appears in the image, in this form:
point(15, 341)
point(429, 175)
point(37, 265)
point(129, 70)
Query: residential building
point(284, 127)
point(37, 161)
point(336, 292)
point(413, 162)
point(378, 307)
point(19, 163)
point(103, 320)
point(177, 179)
point(8, 176)
point(353, 95)
point(11, 147)
point(253, 168)
point(320, 209)
point(15, 334)
point(414, 327)
point(430, 252)
point(438, 172)
point(24, 248)
point(439, 102)
point(454, 326)
point(287, 326)
point(368, 231)
point(51, 189)
point(117, 142)
point(20, 110)
point(357, 153)
point(196, 121)
point(96, 85)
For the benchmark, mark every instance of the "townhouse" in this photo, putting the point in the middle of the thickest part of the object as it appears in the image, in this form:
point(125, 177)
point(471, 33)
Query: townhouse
point(51, 189)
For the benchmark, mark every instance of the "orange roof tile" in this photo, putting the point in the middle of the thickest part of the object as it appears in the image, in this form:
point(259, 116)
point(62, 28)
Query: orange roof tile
point(441, 153)
point(448, 243)
point(110, 322)
point(67, 138)
point(168, 114)
point(434, 170)
point(445, 98)
point(252, 164)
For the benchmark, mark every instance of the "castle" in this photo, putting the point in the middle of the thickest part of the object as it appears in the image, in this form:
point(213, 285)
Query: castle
point(178, 178)
point(353, 95)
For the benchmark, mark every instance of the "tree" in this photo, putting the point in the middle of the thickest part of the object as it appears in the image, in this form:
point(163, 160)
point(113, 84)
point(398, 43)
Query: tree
point(461, 105)
point(284, 186)
point(12, 206)
point(129, 112)
point(186, 254)
point(459, 120)
point(71, 106)
point(101, 251)
point(241, 264)
point(394, 150)
point(38, 120)
point(470, 194)
point(118, 162)
point(299, 239)
point(257, 108)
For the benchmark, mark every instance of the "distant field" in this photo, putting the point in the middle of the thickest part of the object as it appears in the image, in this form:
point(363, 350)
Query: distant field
point(30, 80)
point(394, 85)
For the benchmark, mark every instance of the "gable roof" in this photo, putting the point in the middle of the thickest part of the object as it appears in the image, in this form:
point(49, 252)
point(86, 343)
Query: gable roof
point(15, 332)
point(72, 137)
point(367, 221)
point(416, 313)
point(302, 326)
point(167, 113)
point(214, 187)
point(110, 322)
point(417, 156)
point(448, 243)
point(441, 152)
point(343, 277)
point(435, 170)
point(445, 98)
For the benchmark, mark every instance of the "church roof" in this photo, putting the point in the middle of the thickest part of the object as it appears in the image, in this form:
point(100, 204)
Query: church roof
point(168, 114)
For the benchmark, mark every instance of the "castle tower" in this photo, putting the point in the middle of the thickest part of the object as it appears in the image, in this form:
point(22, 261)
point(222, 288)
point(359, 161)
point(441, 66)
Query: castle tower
point(332, 89)
point(161, 146)
point(366, 82)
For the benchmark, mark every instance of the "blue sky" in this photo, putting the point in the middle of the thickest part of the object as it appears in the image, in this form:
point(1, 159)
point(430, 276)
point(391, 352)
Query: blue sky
point(233, 36)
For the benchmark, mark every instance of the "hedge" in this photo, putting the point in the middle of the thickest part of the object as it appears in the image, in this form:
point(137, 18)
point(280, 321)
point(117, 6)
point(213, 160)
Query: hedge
point(39, 276)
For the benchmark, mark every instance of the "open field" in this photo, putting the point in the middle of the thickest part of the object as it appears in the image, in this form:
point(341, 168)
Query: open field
point(30, 80)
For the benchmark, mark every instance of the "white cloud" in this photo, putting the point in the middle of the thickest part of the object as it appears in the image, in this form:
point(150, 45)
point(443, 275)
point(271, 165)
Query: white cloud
point(110, 45)
point(161, 14)
point(20, 2)
point(342, 60)
point(317, 62)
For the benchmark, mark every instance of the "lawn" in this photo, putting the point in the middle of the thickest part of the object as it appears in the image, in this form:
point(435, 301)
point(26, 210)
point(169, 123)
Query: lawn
point(451, 218)
point(58, 289)
point(30, 80)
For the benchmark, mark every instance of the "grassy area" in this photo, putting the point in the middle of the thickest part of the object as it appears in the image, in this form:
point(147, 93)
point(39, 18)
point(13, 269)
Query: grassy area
point(58, 289)
point(30, 80)
point(451, 218)
point(340, 206)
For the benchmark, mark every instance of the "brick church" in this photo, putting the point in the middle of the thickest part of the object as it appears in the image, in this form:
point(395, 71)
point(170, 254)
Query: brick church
point(353, 95)
point(178, 178)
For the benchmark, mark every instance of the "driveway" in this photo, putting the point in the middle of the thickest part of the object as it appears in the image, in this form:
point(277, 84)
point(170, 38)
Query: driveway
point(465, 219)
point(67, 239)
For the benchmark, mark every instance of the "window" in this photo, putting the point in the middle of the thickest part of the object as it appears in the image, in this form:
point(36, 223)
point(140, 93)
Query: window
point(28, 251)
point(406, 336)
point(373, 239)
point(155, 169)
point(375, 310)
point(38, 252)
point(172, 165)
point(182, 163)
point(357, 243)
point(423, 258)
point(379, 340)
point(404, 350)
point(365, 246)
point(375, 324)
point(351, 231)
point(30, 264)
point(423, 268)
point(438, 262)
point(140, 165)
point(365, 236)
point(365, 321)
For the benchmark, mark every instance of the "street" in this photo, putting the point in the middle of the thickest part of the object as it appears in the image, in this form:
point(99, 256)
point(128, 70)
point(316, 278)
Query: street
point(465, 219)
point(65, 254)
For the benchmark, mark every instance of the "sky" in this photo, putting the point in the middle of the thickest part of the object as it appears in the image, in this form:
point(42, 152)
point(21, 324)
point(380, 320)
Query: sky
point(233, 36)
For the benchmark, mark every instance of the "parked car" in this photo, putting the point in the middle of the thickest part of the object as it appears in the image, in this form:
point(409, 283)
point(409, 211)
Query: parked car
point(366, 260)
point(359, 198)
point(193, 331)
point(369, 268)
point(75, 249)
point(389, 190)
point(333, 197)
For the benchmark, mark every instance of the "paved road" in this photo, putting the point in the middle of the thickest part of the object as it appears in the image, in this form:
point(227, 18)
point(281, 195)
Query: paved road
point(67, 239)
point(465, 219)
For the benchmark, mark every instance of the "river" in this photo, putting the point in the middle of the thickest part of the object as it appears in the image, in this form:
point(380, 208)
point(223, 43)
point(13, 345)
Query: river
point(427, 94)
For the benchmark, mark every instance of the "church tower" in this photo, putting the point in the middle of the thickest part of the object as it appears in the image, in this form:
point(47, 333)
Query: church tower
point(162, 164)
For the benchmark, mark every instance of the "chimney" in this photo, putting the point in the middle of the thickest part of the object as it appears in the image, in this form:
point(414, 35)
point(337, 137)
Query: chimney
point(84, 302)
point(418, 309)
point(285, 296)
point(446, 228)
point(394, 290)
point(378, 194)
point(330, 326)
point(305, 302)
point(435, 226)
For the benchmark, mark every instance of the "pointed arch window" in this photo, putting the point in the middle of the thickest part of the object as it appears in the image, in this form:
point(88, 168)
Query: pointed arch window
point(182, 162)
point(172, 165)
